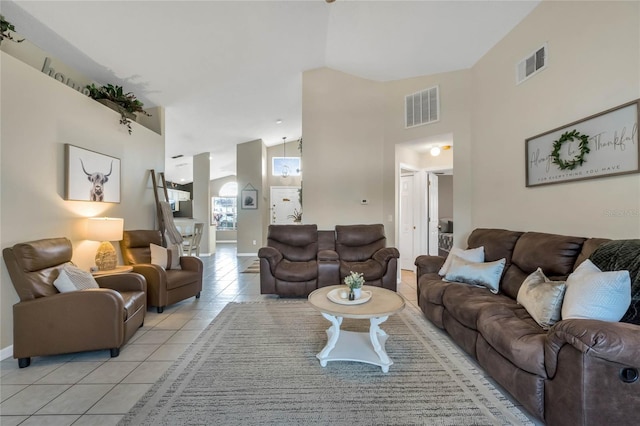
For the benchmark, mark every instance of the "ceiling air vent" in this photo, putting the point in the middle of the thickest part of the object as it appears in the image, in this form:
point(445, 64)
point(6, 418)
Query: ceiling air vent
point(532, 64)
point(422, 107)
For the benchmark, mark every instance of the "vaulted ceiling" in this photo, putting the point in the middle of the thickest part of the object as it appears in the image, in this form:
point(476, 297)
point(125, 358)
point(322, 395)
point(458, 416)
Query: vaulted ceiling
point(225, 71)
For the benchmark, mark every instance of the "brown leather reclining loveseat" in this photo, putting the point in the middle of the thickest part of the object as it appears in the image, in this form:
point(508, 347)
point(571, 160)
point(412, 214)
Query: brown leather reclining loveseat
point(580, 371)
point(299, 259)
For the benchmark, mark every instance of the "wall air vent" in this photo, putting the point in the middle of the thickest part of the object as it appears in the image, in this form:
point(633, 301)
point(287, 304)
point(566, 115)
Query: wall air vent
point(177, 156)
point(532, 64)
point(422, 107)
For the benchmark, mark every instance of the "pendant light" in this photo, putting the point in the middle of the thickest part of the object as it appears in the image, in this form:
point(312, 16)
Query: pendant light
point(285, 168)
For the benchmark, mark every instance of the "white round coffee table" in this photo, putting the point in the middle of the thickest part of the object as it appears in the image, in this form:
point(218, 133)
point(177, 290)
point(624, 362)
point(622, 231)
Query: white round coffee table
point(345, 345)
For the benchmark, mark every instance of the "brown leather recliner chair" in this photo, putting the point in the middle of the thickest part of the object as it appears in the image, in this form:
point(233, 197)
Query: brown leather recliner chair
point(164, 287)
point(46, 322)
point(297, 260)
point(362, 248)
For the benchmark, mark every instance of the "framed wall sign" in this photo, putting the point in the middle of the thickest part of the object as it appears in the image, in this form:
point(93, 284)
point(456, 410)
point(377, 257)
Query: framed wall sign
point(604, 144)
point(91, 176)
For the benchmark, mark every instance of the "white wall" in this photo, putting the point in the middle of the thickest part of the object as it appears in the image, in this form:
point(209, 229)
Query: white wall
point(593, 65)
point(40, 115)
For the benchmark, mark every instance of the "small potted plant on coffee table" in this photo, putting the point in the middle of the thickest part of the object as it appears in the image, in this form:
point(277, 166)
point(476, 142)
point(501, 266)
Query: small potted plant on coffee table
point(355, 281)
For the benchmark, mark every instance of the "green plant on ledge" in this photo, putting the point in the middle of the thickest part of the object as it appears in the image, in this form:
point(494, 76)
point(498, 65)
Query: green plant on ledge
point(5, 30)
point(125, 103)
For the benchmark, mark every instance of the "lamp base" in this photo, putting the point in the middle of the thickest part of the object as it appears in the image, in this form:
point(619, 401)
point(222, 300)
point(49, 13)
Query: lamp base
point(106, 258)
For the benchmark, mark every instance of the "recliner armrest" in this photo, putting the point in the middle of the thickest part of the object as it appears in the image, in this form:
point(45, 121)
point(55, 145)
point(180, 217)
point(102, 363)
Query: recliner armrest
point(384, 255)
point(190, 263)
point(271, 255)
point(617, 342)
point(123, 282)
point(328, 255)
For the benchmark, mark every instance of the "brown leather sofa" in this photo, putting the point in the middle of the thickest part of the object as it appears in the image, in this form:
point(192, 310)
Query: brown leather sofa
point(579, 372)
point(164, 287)
point(299, 259)
point(46, 322)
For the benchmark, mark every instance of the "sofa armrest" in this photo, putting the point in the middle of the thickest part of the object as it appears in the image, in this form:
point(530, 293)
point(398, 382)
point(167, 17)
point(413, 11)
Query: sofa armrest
point(271, 255)
point(428, 264)
point(191, 263)
point(328, 255)
point(611, 341)
point(384, 255)
point(123, 282)
point(68, 322)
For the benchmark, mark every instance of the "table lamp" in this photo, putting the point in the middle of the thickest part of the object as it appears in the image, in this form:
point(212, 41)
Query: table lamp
point(105, 229)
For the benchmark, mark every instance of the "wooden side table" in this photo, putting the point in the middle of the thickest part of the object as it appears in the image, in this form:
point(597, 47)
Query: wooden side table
point(117, 270)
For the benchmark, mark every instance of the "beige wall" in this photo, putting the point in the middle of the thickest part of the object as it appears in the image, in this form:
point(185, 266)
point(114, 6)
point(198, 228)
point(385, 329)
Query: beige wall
point(251, 160)
point(594, 53)
point(40, 115)
point(343, 135)
point(445, 196)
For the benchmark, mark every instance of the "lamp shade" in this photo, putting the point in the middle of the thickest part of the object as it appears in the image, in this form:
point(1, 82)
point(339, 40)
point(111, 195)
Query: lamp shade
point(105, 228)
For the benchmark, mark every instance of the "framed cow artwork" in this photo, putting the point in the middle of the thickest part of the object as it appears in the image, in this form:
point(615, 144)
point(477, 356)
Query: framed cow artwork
point(91, 176)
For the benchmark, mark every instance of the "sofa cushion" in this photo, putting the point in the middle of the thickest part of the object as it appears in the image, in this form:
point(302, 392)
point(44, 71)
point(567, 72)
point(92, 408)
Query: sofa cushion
point(297, 243)
point(593, 294)
point(542, 298)
point(166, 258)
point(622, 254)
point(465, 302)
point(555, 254)
point(296, 271)
point(372, 269)
point(485, 274)
point(72, 278)
point(511, 331)
point(471, 255)
point(498, 243)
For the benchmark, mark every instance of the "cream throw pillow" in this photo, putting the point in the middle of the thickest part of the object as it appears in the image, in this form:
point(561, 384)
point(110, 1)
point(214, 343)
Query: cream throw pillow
point(593, 294)
point(542, 298)
point(472, 255)
point(485, 274)
point(72, 278)
point(166, 258)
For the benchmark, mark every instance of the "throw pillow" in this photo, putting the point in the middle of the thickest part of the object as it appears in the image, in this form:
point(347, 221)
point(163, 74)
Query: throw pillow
point(166, 258)
point(72, 278)
point(593, 294)
point(485, 274)
point(472, 255)
point(542, 298)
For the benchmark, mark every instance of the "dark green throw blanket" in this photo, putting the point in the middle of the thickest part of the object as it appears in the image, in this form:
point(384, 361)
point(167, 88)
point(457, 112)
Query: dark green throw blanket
point(621, 255)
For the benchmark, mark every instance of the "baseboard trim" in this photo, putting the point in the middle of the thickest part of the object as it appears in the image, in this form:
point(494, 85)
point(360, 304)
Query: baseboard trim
point(247, 254)
point(6, 352)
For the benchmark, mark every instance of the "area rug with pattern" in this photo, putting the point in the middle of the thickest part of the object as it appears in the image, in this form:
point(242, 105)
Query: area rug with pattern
point(256, 364)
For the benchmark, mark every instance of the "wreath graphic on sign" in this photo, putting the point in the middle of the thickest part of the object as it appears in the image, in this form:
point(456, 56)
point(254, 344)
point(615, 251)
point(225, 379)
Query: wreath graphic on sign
point(578, 159)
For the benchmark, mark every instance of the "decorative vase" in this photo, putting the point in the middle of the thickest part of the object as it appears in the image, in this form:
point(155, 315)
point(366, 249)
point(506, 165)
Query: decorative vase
point(352, 295)
point(357, 292)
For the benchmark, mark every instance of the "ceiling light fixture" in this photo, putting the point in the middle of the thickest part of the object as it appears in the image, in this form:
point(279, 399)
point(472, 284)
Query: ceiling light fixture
point(435, 151)
point(279, 121)
point(285, 168)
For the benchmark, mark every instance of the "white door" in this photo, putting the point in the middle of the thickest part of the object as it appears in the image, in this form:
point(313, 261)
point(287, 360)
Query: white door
point(432, 188)
point(285, 202)
point(407, 223)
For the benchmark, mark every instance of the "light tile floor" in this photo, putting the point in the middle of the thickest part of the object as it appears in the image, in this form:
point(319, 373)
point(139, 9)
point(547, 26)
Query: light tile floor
point(91, 388)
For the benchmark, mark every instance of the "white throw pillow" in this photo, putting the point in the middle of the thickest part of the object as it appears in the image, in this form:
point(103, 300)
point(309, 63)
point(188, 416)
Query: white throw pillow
point(542, 298)
point(472, 255)
point(72, 278)
point(593, 294)
point(485, 274)
point(166, 258)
